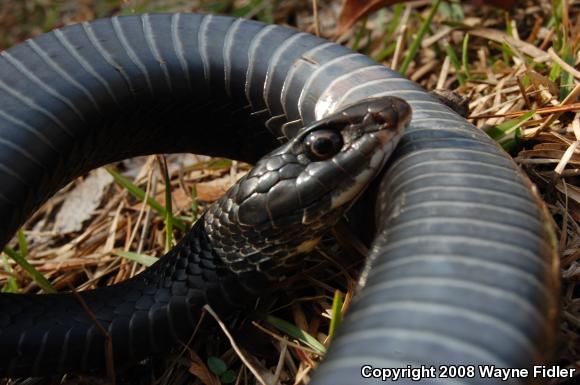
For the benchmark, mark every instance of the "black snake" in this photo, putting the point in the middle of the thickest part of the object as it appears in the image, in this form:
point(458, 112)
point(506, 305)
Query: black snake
point(462, 268)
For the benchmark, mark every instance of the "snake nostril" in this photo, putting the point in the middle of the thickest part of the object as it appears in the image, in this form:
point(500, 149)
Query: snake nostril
point(387, 117)
point(379, 118)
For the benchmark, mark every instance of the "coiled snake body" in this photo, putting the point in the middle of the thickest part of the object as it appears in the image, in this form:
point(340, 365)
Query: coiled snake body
point(462, 268)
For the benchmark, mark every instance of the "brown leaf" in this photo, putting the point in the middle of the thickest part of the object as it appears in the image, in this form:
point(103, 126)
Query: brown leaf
point(82, 202)
point(504, 4)
point(211, 191)
point(354, 10)
point(539, 80)
point(180, 199)
point(199, 369)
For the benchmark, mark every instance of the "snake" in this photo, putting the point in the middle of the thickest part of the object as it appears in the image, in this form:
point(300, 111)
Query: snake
point(462, 266)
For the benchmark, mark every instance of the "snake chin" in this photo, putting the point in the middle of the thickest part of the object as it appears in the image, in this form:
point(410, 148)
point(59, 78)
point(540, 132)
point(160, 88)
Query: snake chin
point(308, 245)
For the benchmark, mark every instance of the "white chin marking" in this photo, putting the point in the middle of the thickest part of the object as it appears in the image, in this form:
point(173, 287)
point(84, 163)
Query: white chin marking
point(347, 195)
point(307, 246)
point(361, 181)
point(377, 160)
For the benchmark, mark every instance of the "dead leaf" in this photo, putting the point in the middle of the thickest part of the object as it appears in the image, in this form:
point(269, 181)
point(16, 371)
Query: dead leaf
point(502, 37)
point(82, 202)
point(570, 191)
point(180, 199)
point(539, 81)
point(354, 10)
point(199, 369)
point(548, 154)
point(212, 190)
point(504, 4)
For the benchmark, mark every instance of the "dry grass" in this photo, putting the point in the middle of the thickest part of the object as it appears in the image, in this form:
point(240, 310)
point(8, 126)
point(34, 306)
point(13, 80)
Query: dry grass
point(519, 71)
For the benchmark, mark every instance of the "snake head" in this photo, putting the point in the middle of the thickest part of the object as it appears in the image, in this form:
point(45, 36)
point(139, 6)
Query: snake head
point(297, 192)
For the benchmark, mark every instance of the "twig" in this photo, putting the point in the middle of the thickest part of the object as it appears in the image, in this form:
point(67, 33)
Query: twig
point(566, 157)
point(524, 94)
point(541, 111)
point(280, 364)
point(293, 344)
point(238, 351)
point(316, 18)
point(552, 118)
point(554, 56)
point(401, 38)
point(109, 359)
point(443, 73)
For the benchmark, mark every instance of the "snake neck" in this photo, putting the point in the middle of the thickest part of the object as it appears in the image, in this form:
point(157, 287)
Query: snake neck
point(268, 250)
point(195, 261)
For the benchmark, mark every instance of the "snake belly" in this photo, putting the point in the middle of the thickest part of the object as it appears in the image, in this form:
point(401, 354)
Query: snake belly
point(462, 269)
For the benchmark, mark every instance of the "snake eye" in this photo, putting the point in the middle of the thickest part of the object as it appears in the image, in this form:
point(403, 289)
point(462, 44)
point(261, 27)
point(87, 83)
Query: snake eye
point(322, 144)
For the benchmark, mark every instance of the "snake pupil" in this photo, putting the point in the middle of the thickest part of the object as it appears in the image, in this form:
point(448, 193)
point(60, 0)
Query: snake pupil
point(322, 144)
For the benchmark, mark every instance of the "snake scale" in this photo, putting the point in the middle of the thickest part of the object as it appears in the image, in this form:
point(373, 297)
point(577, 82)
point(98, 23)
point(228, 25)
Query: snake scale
point(462, 269)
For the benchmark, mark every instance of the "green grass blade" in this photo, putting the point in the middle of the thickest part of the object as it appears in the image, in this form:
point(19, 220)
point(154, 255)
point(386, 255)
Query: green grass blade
point(465, 57)
point(168, 217)
point(184, 218)
point(507, 127)
point(145, 260)
point(417, 41)
point(223, 6)
point(22, 245)
point(336, 314)
point(395, 21)
point(508, 27)
point(11, 285)
point(267, 15)
point(506, 133)
point(359, 34)
point(507, 53)
point(566, 78)
point(554, 72)
point(386, 52)
point(455, 63)
point(296, 332)
point(40, 280)
point(389, 48)
point(194, 205)
point(136, 191)
point(452, 11)
point(140, 195)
